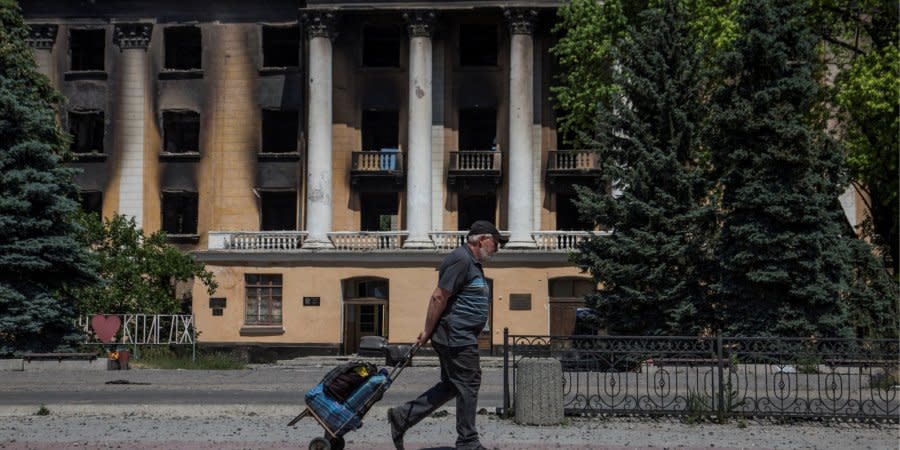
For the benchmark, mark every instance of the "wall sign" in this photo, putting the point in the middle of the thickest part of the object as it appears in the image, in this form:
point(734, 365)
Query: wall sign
point(519, 302)
point(217, 302)
point(311, 301)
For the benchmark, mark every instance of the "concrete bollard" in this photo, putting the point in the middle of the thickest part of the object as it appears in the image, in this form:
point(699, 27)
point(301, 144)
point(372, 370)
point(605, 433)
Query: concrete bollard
point(539, 392)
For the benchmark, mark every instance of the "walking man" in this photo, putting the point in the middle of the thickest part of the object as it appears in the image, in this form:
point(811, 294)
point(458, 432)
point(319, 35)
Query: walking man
point(457, 312)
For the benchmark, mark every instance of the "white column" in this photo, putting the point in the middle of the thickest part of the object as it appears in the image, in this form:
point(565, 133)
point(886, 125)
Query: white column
point(132, 39)
point(521, 116)
point(41, 37)
point(418, 175)
point(318, 170)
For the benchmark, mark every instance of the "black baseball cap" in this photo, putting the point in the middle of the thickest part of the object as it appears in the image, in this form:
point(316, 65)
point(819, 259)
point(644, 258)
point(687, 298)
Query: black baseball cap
point(485, 227)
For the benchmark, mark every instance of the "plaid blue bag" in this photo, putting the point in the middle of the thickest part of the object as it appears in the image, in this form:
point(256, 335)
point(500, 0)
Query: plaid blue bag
point(339, 418)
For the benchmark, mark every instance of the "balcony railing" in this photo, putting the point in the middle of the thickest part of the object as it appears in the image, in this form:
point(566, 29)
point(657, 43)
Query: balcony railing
point(572, 161)
point(256, 240)
point(367, 240)
point(553, 241)
point(368, 162)
point(475, 161)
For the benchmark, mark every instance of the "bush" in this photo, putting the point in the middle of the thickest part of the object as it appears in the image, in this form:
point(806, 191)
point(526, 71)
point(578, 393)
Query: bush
point(169, 358)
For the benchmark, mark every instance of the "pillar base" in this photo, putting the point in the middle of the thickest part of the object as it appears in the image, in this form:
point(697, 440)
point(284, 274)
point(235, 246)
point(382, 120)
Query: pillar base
point(418, 243)
point(317, 244)
point(516, 242)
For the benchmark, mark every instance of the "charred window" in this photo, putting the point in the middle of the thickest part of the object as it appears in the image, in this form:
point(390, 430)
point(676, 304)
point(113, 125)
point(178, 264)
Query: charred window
point(478, 45)
point(91, 202)
point(281, 46)
point(474, 207)
point(183, 48)
point(379, 211)
point(380, 130)
point(477, 129)
point(86, 128)
point(279, 131)
point(567, 215)
point(181, 132)
point(179, 212)
point(278, 210)
point(87, 49)
point(381, 45)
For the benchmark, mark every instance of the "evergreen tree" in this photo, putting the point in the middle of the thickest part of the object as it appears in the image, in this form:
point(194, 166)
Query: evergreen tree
point(651, 268)
point(782, 260)
point(40, 260)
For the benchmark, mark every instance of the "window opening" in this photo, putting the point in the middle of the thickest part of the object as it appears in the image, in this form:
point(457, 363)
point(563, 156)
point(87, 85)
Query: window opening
point(281, 46)
point(88, 48)
point(181, 131)
point(380, 130)
point(183, 48)
point(91, 202)
point(264, 293)
point(381, 45)
point(474, 207)
point(478, 45)
point(477, 129)
point(179, 212)
point(567, 215)
point(86, 128)
point(278, 210)
point(379, 211)
point(279, 131)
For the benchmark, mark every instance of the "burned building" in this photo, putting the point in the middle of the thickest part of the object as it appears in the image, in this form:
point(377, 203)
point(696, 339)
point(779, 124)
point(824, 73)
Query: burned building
point(321, 157)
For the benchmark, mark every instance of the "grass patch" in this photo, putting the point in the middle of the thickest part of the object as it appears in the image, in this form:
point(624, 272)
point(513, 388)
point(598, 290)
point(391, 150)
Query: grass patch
point(167, 358)
point(42, 411)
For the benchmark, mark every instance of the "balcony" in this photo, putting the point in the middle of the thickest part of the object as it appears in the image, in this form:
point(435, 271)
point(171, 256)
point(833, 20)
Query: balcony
point(380, 241)
point(568, 167)
point(474, 169)
point(377, 171)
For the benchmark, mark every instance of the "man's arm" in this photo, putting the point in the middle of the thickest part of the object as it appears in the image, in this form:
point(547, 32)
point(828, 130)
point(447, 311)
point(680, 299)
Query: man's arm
point(435, 309)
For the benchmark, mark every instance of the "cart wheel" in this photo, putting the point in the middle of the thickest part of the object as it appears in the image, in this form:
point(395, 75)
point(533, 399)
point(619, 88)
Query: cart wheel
point(337, 443)
point(319, 443)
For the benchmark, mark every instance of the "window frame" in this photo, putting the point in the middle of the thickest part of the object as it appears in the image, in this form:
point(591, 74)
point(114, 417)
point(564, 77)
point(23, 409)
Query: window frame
point(171, 48)
point(462, 46)
point(266, 285)
point(264, 126)
point(87, 49)
point(180, 129)
point(281, 43)
point(193, 205)
point(391, 33)
point(93, 129)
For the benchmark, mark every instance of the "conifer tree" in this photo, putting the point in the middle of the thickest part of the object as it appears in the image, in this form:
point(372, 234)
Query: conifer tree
point(40, 260)
point(782, 260)
point(651, 268)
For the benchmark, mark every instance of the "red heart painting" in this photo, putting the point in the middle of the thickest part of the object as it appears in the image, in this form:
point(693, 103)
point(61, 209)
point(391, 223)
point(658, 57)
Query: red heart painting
point(105, 327)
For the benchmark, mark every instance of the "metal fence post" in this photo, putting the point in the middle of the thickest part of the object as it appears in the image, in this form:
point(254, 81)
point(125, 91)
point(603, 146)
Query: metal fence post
point(505, 371)
point(719, 354)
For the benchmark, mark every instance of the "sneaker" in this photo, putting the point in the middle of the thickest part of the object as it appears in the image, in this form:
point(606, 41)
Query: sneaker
point(396, 432)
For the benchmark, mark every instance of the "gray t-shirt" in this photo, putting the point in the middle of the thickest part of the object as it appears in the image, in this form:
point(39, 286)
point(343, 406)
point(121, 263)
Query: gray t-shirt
point(467, 308)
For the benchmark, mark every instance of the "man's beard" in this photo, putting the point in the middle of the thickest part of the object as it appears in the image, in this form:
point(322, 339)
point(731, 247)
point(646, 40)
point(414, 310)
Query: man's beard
point(484, 255)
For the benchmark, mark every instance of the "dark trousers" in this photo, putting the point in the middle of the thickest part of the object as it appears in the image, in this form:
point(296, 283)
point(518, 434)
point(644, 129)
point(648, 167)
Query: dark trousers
point(460, 378)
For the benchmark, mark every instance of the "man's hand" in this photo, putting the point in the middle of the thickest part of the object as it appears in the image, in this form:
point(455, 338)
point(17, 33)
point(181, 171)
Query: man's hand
point(422, 339)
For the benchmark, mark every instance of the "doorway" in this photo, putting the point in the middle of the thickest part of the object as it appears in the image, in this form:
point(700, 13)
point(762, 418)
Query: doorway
point(365, 310)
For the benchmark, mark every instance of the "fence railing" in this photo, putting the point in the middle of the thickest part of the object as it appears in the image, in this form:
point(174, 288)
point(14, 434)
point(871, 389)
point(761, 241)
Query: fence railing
point(377, 162)
point(256, 240)
point(717, 376)
point(145, 329)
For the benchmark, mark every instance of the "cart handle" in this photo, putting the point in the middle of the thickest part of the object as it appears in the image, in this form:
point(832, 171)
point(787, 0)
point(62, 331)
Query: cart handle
point(406, 361)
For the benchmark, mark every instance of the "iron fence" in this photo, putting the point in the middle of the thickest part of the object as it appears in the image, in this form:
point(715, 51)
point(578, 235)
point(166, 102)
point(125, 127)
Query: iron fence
point(717, 376)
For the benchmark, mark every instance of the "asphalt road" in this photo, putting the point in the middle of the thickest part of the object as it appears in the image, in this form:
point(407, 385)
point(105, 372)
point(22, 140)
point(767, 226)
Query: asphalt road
point(260, 385)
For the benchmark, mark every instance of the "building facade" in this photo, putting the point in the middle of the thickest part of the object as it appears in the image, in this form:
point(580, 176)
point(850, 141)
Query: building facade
point(321, 157)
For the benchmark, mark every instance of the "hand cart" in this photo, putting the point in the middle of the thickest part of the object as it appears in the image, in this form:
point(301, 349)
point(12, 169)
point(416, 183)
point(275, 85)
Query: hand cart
point(336, 425)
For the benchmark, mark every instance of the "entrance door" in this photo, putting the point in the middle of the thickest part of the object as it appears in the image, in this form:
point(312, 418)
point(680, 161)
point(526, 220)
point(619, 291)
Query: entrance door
point(360, 320)
point(365, 310)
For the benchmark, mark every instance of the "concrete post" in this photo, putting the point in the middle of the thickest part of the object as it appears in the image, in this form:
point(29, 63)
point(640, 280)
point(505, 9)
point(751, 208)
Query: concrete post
point(132, 39)
point(320, 30)
point(539, 392)
point(521, 116)
point(418, 170)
